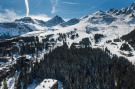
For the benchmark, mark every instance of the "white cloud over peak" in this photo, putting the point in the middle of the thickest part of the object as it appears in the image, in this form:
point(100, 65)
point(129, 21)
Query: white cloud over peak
point(11, 15)
point(8, 16)
point(43, 17)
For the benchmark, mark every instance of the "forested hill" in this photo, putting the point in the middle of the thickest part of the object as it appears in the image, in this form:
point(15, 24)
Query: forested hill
point(85, 68)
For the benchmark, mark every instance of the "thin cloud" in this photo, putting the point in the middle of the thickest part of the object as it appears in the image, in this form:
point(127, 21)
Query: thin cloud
point(71, 3)
point(43, 17)
point(54, 6)
point(8, 16)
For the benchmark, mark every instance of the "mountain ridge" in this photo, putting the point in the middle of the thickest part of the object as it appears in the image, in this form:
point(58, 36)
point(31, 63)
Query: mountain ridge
point(75, 53)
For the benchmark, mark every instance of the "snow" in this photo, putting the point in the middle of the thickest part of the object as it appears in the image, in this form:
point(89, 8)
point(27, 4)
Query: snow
point(119, 27)
point(11, 83)
point(45, 84)
point(111, 31)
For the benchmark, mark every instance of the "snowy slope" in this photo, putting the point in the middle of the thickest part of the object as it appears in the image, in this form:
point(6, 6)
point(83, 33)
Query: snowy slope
point(85, 29)
point(46, 84)
point(112, 24)
point(12, 29)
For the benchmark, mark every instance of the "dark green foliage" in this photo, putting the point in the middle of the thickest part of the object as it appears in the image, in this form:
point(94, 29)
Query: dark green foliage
point(23, 67)
point(78, 67)
point(125, 47)
point(89, 29)
point(20, 45)
point(117, 40)
point(98, 37)
point(5, 84)
point(85, 42)
point(86, 68)
point(130, 38)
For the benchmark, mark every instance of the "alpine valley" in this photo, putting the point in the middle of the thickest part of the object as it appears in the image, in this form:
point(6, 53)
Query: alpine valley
point(96, 51)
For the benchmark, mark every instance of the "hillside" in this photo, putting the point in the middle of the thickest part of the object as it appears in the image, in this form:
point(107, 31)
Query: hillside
point(93, 52)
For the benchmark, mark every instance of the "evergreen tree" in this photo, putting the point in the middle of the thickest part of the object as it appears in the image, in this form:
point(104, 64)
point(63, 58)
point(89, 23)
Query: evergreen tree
point(5, 84)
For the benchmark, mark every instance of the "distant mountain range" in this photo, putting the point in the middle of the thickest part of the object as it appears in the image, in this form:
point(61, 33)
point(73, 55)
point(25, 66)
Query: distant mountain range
point(111, 17)
point(97, 47)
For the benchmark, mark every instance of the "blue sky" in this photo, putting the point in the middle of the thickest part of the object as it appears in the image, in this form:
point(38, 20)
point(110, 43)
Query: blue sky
point(64, 8)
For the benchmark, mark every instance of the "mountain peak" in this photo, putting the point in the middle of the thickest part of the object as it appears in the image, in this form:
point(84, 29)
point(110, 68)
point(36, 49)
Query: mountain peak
point(58, 18)
point(25, 20)
point(125, 11)
point(55, 21)
point(133, 5)
point(70, 22)
point(100, 12)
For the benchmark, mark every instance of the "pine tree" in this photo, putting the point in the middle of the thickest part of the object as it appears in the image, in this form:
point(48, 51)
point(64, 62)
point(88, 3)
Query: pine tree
point(5, 84)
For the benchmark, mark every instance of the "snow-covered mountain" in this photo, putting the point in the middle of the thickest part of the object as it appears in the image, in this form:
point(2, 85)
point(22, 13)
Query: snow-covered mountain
point(54, 21)
point(25, 20)
point(111, 18)
point(25, 25)
point(70, 22)
point(124, 11)
point(12, 29)
point(111, 31)
point(107, 26)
